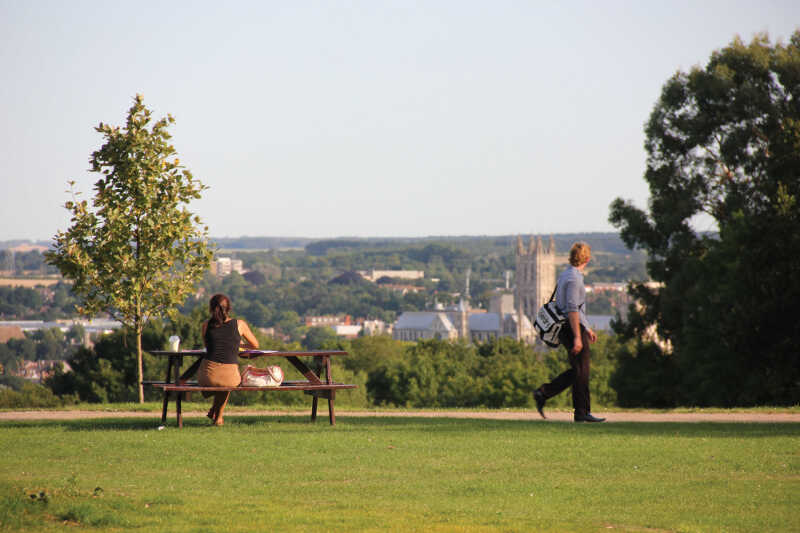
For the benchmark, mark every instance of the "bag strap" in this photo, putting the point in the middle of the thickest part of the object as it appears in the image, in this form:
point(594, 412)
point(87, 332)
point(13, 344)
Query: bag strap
point(552, 296)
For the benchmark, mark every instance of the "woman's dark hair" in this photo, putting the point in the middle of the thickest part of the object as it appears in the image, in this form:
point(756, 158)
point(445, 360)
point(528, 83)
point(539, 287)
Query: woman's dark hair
point(220, 307)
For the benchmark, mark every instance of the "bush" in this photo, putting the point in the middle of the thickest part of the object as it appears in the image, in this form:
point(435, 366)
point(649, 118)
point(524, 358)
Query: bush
point(32, 395)
point(644, 376)
point(497, 374)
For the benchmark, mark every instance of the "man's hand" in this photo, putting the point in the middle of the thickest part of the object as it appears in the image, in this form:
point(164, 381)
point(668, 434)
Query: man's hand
point(575, 325)
point(577, 345)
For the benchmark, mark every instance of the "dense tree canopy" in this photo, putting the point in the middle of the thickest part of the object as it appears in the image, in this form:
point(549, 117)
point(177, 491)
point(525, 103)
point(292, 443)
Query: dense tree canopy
point(723, 142)
point(39, 303)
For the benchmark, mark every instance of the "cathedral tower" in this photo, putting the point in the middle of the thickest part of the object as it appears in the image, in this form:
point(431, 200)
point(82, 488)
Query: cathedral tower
point(536, 275)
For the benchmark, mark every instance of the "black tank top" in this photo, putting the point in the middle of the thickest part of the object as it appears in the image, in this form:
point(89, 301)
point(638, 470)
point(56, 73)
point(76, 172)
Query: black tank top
point(222, 342)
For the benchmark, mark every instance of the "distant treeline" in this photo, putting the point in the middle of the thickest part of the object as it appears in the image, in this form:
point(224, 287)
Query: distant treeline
point(41, 303)
point(25, 263)
point(260, 243)
point(600, 242)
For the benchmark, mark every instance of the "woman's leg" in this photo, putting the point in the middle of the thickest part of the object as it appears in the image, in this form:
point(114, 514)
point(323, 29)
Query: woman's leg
point(220, 401)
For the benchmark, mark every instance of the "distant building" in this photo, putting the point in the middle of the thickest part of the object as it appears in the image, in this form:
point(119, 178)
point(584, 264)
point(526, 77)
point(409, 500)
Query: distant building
point(376, 327)
point(510, 315)
point(375, 275)
point(606, 287)
point(487, 326)
point(342, 325)
point(95, 325)
point(349, 331)
point(461, 321)
point(224, 266)
point(327, 321)
point(10, 332)
point(41, 370)
point(416, 325)
point(536, 275)
point(502, 302)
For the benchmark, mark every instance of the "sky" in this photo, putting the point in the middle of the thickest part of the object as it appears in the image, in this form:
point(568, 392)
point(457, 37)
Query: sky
point(357, 118)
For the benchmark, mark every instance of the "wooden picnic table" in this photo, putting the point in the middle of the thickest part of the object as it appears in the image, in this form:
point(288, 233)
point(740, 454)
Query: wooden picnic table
point(314, 385)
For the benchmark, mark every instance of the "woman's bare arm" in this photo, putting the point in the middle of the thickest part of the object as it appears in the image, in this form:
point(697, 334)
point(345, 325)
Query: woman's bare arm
point(248, 339)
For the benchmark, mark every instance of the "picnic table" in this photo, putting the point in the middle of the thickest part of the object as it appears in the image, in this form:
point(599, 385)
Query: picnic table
point(317, 387)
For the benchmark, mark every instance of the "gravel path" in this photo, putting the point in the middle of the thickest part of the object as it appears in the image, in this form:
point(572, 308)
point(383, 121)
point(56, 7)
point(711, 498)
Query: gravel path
point(623, 416)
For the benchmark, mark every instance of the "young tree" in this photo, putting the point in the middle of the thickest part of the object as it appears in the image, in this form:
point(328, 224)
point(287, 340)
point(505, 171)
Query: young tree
point(724, 141)
point(137, 252)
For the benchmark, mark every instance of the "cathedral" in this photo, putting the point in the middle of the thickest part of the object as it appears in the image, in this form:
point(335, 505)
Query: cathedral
point(508, 316)
point(536, 275)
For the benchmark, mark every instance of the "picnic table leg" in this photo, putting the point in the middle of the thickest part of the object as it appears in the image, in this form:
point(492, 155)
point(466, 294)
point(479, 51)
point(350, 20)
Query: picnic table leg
point(166, 393)
point(311, 376)
point(331, 414)
point(178, 397)
point(314, 408)
point(331, 393)
point(316, 370)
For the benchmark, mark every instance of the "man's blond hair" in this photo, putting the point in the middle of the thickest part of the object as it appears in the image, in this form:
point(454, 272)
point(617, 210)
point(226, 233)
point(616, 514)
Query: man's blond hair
point(579, 253)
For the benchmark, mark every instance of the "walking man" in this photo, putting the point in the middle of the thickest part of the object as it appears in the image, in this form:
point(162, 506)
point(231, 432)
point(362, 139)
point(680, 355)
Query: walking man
point(576, 336)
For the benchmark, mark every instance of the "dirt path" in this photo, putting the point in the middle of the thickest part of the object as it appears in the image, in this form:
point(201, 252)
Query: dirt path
point(625, 416)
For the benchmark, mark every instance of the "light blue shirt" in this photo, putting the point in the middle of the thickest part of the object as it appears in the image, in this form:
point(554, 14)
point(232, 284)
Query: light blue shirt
point(571, 294)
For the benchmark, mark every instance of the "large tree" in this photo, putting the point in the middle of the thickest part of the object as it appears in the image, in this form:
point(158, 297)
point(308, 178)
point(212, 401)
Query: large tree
point(723, 142)
point(137, 251)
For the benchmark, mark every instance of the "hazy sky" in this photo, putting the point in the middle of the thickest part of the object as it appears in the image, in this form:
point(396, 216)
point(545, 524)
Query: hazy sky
point(373, 118)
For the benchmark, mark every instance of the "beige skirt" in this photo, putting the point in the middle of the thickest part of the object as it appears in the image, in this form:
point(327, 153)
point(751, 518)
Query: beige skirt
point(213, 374)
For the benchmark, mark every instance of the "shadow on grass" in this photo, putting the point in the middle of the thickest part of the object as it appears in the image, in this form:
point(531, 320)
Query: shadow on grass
point(704, 429)
point(303, 424)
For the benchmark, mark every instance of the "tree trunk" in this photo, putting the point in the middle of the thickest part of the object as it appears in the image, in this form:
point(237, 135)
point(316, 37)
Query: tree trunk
point(139, 361)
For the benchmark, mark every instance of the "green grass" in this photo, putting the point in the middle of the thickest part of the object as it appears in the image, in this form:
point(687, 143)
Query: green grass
point(342, 406)
point(283, 473)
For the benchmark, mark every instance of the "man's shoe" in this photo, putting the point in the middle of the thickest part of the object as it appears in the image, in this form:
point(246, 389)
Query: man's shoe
point(540, 400)
point(588, 418)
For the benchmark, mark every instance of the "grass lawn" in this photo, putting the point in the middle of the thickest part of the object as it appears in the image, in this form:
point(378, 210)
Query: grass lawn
point(282, 473)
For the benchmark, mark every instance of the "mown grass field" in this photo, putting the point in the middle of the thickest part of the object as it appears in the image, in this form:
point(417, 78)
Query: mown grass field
point(282, 473)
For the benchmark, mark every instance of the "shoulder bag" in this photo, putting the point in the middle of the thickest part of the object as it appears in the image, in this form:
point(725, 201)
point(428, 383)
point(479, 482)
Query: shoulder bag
point(549, 322)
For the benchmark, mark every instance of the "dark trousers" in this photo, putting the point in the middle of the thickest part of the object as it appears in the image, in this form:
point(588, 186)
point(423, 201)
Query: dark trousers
point(577, 376)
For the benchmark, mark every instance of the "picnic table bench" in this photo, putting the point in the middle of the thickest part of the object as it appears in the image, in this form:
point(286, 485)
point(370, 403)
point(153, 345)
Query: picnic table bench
point(313, 385)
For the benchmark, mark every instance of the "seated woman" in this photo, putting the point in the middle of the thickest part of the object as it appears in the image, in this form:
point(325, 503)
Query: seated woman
point(223, 336)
